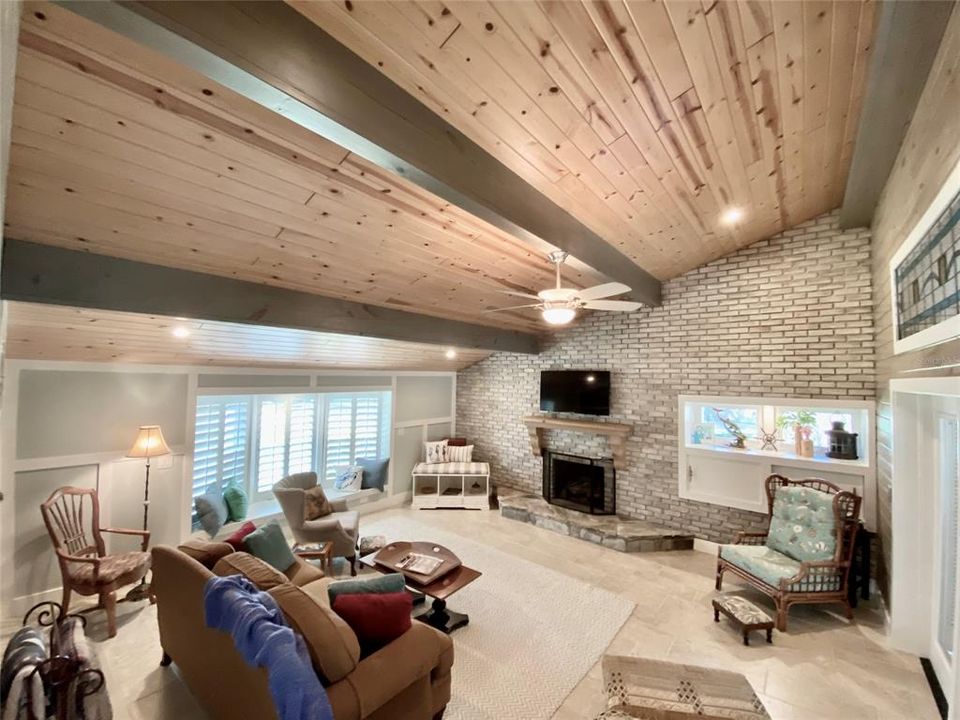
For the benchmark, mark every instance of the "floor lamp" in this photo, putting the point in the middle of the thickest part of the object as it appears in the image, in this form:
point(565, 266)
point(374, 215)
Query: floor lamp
point(149, 444)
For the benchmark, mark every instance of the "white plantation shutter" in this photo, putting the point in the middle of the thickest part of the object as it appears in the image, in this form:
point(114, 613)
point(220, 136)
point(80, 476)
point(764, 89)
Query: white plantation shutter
point(353, 430)
point(338, 447)
point(366, 428)
point(220, 443)
point(271, 443)
point(303, 434)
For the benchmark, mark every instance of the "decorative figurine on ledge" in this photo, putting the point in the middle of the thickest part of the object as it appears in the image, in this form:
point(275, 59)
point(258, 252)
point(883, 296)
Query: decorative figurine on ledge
point(739, 438)
point(769, 439)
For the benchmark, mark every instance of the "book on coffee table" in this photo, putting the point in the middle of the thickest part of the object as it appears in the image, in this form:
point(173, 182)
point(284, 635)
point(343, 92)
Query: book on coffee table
point(420, 564)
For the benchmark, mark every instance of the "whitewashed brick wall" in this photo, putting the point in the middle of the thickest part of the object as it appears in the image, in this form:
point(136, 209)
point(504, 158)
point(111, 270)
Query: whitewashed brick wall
point(789, 316)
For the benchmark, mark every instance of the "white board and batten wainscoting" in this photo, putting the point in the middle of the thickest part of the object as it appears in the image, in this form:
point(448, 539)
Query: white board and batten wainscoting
point(716, 473)
point(71, 423)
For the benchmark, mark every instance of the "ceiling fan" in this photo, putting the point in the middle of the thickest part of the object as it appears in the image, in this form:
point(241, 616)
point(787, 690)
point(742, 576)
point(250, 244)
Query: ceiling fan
point(559, 305)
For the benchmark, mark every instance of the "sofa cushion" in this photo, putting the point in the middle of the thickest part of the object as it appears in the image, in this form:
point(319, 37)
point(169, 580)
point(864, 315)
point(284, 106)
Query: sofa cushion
point(269, 544)
point(303, 572)
point(315, 503)
point(374, 472)
point(333, 646)
point(254, 569)
point(761, 561)
point(237, 539)
point(212, 512)
point(802, 525)
point(237, 503)
point(205, 552)
point(376, 618)
point(391, 583)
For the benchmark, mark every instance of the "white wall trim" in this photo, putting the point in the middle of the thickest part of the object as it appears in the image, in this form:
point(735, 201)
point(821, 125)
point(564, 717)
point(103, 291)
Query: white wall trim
point(706, 546)
point(418, 423)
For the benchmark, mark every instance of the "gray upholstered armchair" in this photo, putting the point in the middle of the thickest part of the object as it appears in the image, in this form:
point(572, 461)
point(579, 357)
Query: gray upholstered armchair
point(341, 527)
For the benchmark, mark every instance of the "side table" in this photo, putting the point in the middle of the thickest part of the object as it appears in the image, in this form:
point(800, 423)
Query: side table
point(316, 551)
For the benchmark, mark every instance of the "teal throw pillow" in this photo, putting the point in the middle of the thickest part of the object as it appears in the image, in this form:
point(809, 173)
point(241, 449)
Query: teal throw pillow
point(236, 500)
point(391, 583)
point(269, 544)
point(211, 512)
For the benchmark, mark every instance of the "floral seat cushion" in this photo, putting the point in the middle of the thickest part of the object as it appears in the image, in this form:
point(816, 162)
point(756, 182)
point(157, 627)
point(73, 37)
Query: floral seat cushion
point(761, 562)
point(121, 569)
point(802, 525)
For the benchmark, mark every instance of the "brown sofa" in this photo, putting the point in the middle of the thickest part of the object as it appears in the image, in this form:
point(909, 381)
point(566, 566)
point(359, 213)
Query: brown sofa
point(409, 679)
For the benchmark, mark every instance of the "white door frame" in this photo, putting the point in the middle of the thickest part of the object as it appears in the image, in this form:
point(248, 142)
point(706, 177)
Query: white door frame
point(913, 521)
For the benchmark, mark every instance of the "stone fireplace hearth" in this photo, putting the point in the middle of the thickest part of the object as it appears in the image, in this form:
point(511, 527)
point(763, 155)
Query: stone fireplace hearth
point(617, 533)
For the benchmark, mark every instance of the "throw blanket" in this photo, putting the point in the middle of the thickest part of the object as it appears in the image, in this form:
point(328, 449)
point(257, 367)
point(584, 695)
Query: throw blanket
point(234, 605)
point(87, 699)
point(21, 691)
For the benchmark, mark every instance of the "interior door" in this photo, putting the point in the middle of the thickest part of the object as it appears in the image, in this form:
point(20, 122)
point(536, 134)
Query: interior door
point(946, 453)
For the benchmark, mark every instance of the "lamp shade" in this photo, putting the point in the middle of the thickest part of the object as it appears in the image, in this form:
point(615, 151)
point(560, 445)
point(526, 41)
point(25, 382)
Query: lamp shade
point(149, 443)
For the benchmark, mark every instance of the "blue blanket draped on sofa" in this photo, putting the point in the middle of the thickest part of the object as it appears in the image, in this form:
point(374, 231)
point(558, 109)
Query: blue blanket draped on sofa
point(234, 605)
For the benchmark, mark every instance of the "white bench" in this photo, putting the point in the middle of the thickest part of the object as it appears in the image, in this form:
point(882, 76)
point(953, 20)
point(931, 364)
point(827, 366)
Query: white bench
point(451, 485)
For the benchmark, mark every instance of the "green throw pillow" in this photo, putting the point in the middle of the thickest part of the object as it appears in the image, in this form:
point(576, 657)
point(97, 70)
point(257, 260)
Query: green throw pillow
point(380, 584)
point(236, 500)
point(269, 544)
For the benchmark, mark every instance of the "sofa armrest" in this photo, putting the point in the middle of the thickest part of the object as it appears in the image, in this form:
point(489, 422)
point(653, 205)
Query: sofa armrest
point(810, 572)
point(419, 652)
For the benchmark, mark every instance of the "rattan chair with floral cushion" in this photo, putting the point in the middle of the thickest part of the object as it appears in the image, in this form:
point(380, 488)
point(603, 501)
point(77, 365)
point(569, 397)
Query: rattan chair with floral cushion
point(806, 553)
point(639, 687)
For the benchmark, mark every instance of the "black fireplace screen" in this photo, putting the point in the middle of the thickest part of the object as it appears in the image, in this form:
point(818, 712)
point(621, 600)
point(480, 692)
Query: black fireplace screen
point(580, 483)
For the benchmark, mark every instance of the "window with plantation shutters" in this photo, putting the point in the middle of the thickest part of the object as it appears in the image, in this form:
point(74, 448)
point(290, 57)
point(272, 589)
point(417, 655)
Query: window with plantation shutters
point(353, 430)
point(286, 438)
point(255, 440)
point(220, 455)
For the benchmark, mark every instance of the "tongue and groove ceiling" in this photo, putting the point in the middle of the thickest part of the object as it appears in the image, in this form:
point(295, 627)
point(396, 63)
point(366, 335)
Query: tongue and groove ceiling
point(645, 121)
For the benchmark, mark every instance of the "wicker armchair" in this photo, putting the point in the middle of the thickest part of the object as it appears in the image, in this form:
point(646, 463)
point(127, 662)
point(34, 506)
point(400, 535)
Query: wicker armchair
point(806, 553)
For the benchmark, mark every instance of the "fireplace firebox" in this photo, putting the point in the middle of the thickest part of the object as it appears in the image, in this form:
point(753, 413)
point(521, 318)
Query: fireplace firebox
point(580, 483)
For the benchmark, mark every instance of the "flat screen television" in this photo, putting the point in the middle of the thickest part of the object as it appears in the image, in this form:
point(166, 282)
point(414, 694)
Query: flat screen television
point(576, 391)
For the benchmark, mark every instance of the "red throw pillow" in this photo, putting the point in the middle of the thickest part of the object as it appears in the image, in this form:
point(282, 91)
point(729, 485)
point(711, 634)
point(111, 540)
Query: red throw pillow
point(376, 618)
point(237, 538)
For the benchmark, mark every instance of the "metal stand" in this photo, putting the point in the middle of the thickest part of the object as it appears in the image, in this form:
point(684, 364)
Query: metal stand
point(142, 591)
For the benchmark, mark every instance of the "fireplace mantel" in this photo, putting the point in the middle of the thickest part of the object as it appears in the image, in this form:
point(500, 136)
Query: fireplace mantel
point(616, 433)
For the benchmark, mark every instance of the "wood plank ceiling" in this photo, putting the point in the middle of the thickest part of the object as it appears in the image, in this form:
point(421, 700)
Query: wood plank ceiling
point(52, 332)
point(646, 120)
point(120, 151)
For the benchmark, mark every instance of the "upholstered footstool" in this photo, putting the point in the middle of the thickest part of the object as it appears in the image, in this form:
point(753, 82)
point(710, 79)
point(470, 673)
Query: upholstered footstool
point(744, 614)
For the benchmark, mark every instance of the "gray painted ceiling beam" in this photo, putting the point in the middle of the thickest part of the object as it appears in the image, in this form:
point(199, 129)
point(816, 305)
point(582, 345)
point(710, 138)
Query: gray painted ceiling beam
point(906, 42)
point(271, 54)
point(46, 274)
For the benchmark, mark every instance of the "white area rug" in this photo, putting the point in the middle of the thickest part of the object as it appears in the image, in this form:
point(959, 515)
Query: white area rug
point(533, 632)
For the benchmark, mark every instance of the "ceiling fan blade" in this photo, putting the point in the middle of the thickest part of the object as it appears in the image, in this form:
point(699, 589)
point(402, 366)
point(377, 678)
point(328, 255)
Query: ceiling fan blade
point(602, 291)
point(520, 294)
point(617, 305)
point(512, 307)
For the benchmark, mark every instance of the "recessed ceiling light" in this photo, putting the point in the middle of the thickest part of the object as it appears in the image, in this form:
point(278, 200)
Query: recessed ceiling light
point(559, 315)
point(451, 354)
point(180, 332)
point(732, 215)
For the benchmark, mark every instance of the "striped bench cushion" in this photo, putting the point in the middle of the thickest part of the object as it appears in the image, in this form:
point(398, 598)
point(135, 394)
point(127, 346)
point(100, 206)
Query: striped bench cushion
point(470, 468)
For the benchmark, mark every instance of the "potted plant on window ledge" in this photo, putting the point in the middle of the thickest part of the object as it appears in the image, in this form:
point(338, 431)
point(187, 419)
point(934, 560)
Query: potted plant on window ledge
point(803, 422)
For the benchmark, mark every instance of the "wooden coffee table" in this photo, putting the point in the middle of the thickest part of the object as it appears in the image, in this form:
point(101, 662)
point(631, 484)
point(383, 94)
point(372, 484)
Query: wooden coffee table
point(438, 615)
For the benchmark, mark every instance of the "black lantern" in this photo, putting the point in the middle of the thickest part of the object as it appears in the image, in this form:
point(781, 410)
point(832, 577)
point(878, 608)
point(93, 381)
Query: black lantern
point(843, 444)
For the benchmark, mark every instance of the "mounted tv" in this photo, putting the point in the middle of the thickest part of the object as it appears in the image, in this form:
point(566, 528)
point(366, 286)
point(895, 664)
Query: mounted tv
point(575, 391)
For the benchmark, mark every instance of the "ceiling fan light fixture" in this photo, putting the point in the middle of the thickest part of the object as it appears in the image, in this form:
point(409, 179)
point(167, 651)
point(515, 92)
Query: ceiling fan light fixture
point(559, 315)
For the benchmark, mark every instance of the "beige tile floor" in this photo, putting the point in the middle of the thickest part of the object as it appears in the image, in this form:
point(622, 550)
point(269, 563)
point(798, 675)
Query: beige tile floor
point(822, 668)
